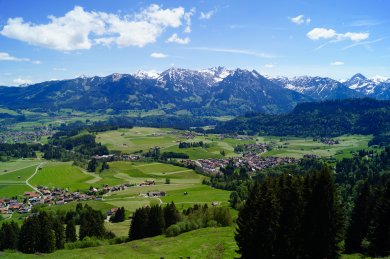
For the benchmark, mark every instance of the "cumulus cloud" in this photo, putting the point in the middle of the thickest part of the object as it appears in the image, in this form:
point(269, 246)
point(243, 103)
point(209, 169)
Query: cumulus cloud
point(22, 81)
point(300, 19)
point(80, 29)
point(176, 39)
point(330, 34)
point(7, 57)
point(337, 63)
point(206, 16)
point(158, 55)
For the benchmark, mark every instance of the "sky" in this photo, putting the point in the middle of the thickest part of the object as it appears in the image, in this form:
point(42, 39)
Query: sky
point(51, 40)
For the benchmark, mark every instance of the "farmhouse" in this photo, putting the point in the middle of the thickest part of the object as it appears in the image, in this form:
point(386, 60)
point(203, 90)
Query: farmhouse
point(156, 194)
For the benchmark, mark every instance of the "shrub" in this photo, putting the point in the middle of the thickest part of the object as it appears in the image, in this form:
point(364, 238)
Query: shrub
point(86, 242)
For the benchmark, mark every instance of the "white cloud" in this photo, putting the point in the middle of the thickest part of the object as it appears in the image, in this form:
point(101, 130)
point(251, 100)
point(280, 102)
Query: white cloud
point(37, 62)
point(269, 65)
point(158, 55)
point(22, 81)
point(7, 57)
point(330, 34)
point(236, 51)
point(176, 39)
point(187, 19)
point(300, 19)
point(80, 29)
point(337, 63)
point(206, 16)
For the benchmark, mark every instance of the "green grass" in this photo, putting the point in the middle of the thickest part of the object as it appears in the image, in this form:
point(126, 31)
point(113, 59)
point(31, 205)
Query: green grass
point(202, 243)
point(62, 175)
point(10, 190)
point(297, 147)
point(18, 175)
point(120, 229)
point(18, 164)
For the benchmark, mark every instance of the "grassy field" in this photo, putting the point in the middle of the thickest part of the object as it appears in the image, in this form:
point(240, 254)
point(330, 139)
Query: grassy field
point(202, 243)
point(297, 147)
point(136, 139)
point(62, 175)
point(13, 165)
point(13, 176)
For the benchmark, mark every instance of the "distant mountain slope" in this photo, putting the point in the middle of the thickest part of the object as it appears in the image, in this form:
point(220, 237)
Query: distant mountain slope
point(215, 91)
point(327, 118)
point(377, 87)
point(319, 88)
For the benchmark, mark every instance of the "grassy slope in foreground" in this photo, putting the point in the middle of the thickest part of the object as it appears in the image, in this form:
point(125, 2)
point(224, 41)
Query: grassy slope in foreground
point(202, 243)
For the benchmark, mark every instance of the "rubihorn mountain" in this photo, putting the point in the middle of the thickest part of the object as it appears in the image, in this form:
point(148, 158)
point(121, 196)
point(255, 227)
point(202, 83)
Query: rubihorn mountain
point(214, 91)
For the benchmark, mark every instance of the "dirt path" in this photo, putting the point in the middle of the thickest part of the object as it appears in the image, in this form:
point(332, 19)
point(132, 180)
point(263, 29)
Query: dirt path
point(28, 179)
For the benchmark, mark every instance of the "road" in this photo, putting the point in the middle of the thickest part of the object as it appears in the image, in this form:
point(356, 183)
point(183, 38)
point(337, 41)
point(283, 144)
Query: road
point(28, 179)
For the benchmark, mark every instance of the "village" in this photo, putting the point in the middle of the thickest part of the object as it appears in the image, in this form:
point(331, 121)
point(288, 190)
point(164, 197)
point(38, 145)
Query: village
point(56, 196)
point(32, 136)
point(250, 160)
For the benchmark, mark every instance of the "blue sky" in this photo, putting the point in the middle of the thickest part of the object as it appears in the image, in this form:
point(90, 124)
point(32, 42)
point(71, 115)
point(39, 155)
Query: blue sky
point(44, 40)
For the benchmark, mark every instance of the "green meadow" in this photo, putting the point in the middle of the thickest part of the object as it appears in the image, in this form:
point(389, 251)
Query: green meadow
point(62, 175)
point(202, 243)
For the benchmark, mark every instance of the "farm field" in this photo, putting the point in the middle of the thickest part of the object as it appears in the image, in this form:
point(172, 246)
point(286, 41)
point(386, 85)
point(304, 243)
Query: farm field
point(13, 175)
point(137, 138)
point(297, 147)
point(62, 175)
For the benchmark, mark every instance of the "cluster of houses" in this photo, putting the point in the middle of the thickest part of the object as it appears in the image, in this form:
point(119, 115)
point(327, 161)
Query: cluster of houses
point(9, 206)
point(250, 160)
point(33, 136)
point(329, 141)
point(120, 157)
point(252, 148)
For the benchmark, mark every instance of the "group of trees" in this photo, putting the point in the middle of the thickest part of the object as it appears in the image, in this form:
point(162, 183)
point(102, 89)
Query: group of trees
point(291, 216)
point(156, 220)
point(45, 232)
point(152, 221)
point(119, 215)
point(156, 154)
point(17, 150)
point(329, 118)
point(193, 144)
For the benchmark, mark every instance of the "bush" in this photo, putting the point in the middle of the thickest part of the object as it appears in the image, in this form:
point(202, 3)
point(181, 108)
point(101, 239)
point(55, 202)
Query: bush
point(118, 240)
point(86, 242)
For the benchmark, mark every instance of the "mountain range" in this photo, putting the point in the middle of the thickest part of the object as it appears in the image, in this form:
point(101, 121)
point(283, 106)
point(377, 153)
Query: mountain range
point(215, 91)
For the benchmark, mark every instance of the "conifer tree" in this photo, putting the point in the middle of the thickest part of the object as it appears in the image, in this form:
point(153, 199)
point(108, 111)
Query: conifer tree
point(70, 232)
point(257, 223)
point(46, 238)
point(29, 235)
point(156, 223)
point(360, 220)
point(380, 235)
point(288, 238)
point(59, 232)
point(323, 220)
point(171, 215)
point(9, 235)
point(139, 224)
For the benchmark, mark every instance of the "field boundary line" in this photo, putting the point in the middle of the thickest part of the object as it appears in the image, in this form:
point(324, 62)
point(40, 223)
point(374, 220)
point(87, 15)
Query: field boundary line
point(3, 173)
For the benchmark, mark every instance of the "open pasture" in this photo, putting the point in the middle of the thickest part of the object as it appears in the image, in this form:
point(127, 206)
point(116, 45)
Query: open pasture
point(298, 147)
point(62, 175)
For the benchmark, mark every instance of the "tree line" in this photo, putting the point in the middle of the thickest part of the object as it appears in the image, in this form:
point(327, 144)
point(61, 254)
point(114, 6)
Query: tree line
point(329, 118)
point(156, 220)
point(46, 232)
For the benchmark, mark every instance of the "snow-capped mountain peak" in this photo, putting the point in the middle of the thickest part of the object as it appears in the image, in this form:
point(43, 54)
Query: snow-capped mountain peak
point(151, 74)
